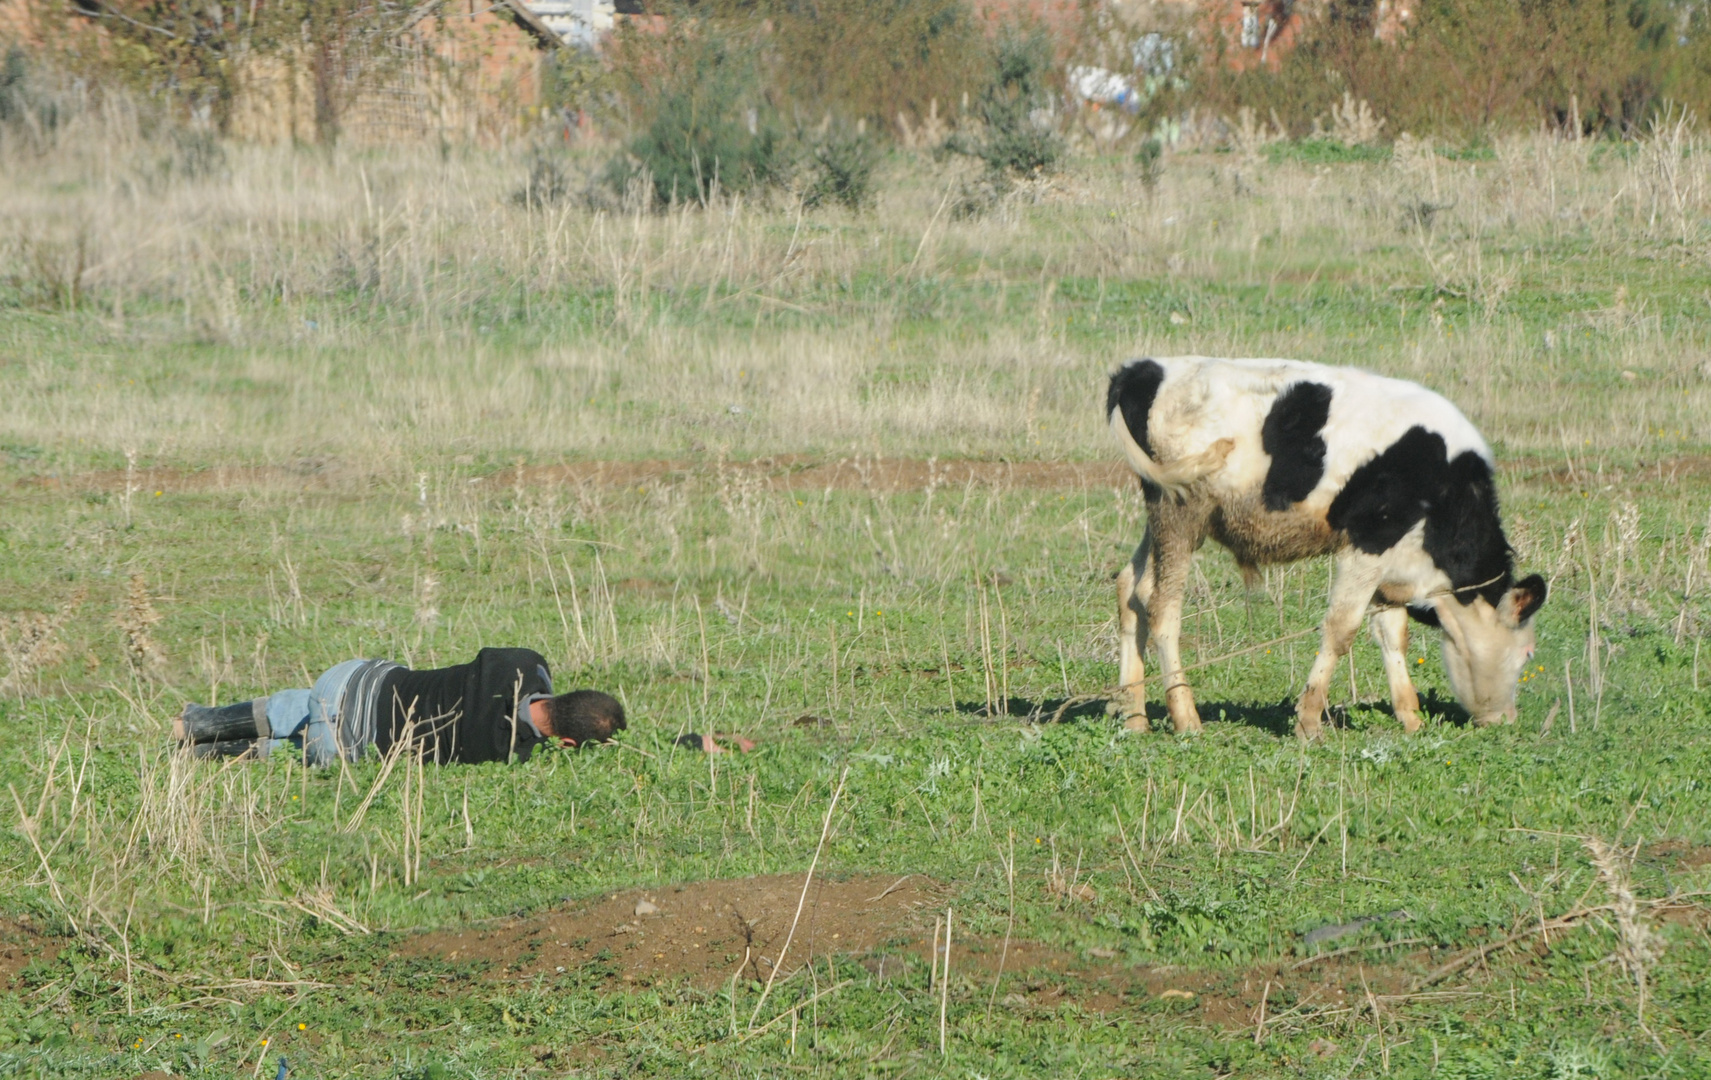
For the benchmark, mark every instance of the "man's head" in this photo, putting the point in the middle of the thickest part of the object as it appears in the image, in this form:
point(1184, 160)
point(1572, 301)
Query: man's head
point(582, 716)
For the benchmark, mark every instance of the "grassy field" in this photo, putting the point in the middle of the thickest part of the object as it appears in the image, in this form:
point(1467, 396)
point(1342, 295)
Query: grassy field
point(839, 484)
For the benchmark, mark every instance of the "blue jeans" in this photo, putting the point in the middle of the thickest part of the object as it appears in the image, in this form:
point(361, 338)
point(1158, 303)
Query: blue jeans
point(321, 720)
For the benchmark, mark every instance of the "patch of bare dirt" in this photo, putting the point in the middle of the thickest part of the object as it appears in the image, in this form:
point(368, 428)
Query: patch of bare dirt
point(785, 473)
point(1679, 854)
point(20, 945)
point(705, 932)
point(701, 932)
point(1670, 470)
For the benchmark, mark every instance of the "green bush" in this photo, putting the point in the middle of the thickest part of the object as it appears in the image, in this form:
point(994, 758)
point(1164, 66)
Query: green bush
point(20, 104)
point(1017, 108)
point(548, 181)
point(1150, 157)
point(705, 122)
point(842, 168)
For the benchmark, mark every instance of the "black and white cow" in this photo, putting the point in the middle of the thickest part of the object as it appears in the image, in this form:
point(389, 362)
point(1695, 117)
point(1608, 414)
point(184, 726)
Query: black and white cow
point(1280, 460)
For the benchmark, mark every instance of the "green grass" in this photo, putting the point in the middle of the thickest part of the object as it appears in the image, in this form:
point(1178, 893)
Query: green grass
point(713, 599)
point(1325, 152)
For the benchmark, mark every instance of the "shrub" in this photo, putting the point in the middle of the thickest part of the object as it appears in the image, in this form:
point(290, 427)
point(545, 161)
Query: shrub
point(704, 121)
point(547, 182)
point(1149, 156)
point(1016, 109)
point(22, 105)
point(842, 167)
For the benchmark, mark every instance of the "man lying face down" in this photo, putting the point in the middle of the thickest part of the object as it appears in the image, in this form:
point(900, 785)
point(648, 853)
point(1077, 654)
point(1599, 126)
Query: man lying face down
point(497, 707)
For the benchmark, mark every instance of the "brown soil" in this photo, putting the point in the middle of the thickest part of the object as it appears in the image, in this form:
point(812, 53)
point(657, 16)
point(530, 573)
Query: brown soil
point(785, 473)
point(1679, 854)
point(20, 945)
point(1662, 471)
point(702, 930)
point(705, 932)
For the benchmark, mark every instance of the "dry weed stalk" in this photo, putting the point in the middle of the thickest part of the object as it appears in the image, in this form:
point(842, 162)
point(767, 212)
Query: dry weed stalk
point(1676, 187)
point(32, 643)
point(136, 620)
point(1353, 122)
point(1638, 946)
point(1251, 135)
point(427, 597)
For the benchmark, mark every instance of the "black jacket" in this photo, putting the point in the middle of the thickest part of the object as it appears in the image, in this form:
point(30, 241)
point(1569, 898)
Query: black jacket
point(465, 713)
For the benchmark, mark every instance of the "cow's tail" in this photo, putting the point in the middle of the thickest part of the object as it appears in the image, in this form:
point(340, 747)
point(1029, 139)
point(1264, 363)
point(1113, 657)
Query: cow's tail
point(1173, 477)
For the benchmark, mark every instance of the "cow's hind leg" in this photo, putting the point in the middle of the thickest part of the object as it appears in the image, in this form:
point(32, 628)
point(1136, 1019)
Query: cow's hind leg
point(1357, 577)
point(1176, 532)
point(1390, 627)
point(1134, 594)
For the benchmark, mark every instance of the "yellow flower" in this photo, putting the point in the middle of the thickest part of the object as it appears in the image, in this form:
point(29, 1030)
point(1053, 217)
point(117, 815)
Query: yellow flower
point(302, 1027)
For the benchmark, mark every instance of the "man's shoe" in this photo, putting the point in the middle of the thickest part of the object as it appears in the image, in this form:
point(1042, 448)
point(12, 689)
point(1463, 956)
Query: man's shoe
point(200, 724)
point(229, 748)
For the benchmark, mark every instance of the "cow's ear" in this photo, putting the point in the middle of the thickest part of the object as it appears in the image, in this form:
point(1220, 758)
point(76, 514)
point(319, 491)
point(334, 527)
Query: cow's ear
point(1524, 600)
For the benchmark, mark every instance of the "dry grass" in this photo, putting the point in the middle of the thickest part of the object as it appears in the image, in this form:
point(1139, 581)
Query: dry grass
point(382, 309)
point(33, 643)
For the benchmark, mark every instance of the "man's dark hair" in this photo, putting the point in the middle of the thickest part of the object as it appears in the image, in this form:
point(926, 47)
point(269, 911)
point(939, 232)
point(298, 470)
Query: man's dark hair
point(586, 716)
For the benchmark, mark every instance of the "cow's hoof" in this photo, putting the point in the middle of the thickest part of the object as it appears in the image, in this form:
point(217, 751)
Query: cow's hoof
point(1129, 705)
point(1410, 720)
point(1184, 717)
point(1308, 728)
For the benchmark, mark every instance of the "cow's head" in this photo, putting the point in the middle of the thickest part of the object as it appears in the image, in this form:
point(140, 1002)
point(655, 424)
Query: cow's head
point(1486, 646)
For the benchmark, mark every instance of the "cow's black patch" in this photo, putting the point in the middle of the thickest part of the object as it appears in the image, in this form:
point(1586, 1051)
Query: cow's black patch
point(1414, 479)
point(1292, 435)
point(1133, 387)
point(1530, 592)
point(1423, 614)
point(1464, 535)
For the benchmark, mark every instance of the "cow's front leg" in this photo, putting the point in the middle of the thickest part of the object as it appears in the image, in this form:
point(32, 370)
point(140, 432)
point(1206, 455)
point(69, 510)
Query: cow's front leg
point(1390, 627)
point(1134, 594)
point(1172, 555)
point(1356, 579)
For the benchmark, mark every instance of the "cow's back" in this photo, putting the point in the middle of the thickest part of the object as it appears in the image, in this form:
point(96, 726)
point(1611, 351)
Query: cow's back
point(1356, 414)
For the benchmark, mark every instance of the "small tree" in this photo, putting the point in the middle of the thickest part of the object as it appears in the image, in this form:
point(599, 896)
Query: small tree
point(1017, 109)
point(704, 121)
